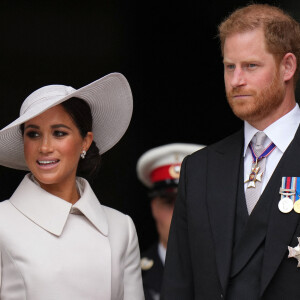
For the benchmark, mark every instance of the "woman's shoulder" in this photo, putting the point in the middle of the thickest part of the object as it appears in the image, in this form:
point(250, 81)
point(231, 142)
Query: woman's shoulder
point(7, 215)
point(5, 206)
point(115, 215)
point(121, 232)
point(118, 220)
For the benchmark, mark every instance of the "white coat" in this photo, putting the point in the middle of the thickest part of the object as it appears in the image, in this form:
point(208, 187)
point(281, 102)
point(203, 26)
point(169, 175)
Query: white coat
point(51, 250)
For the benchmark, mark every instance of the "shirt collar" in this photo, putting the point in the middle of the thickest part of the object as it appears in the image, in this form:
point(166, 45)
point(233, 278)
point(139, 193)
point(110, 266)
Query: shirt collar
point(281, 132)
point(51, 213)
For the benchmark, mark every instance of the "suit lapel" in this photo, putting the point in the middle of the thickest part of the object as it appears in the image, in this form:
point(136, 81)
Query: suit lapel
point(281, 226)
point(222, 182)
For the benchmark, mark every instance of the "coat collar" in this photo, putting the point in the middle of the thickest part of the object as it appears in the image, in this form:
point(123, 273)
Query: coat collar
point(51, 213)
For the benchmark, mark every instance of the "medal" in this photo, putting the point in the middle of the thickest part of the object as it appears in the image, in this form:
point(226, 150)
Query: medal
point(297, 207)
point(286, 205)
point(297, 202)
point(287, 192)
point(255, 175)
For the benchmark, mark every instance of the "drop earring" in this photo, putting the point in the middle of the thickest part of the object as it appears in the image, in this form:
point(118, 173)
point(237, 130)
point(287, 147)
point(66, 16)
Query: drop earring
point(83, 154)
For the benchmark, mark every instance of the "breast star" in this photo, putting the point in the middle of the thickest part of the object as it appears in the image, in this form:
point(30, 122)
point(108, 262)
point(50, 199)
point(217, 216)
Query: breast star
point(295, 252)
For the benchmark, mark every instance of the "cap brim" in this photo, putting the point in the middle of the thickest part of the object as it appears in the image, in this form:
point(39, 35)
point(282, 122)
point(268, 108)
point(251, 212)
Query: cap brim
point(161, 155)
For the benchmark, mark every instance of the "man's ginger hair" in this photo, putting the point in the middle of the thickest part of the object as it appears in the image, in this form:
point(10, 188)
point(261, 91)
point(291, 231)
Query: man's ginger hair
point(281, 31)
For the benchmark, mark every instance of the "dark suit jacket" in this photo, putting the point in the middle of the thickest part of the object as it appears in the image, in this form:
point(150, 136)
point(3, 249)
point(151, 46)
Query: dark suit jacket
point(152, 278)
point(199, 256)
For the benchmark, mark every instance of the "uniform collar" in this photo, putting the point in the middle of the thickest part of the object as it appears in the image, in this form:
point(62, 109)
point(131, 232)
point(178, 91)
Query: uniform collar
point(281, 132)
point(51, 213)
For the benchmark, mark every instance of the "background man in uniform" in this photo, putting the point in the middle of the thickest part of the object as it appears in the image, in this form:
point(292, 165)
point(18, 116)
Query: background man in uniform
point(237, 211)
point(159, 170)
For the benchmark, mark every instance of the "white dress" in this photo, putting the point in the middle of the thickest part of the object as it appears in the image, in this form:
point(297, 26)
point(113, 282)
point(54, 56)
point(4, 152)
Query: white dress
point(51, 250)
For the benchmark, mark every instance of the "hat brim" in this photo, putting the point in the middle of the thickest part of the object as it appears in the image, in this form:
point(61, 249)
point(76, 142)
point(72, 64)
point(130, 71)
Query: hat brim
point(110, 100)
point(153, 158)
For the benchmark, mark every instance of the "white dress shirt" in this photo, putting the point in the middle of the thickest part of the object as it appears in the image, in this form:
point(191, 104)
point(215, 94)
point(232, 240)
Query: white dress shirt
point(51, 250)
point(281, 133)
point(162, 252)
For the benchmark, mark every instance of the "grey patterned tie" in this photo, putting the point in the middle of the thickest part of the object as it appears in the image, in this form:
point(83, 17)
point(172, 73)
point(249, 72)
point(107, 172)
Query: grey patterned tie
point(253, 193)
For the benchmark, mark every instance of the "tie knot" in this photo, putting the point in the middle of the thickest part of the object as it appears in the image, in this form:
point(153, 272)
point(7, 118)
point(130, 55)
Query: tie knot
point(259, 138)
point(258, 141)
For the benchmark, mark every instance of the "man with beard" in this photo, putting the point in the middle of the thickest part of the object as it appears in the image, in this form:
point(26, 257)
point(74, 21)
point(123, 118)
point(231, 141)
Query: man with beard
point(235, 227)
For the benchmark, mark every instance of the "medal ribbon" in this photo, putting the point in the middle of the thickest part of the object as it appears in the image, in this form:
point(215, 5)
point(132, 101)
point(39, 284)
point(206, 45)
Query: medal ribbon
point(293, 182)
point(265, 153)
point(297, 189)
point(288, 188)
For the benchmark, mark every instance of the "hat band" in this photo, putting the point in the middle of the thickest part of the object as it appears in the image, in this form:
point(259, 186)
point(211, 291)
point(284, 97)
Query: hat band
point(170, 183)
point(166, 172)
point(164, 189)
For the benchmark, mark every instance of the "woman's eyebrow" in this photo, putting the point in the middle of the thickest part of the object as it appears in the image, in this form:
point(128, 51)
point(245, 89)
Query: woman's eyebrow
point(32, 126)
point(60, 125)
point(52, 126)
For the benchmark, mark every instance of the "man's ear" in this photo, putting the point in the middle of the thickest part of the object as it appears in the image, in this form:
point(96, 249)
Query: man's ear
point(289, 65)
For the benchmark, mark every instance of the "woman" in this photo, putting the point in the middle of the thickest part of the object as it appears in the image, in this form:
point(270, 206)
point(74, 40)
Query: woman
point(56, 240)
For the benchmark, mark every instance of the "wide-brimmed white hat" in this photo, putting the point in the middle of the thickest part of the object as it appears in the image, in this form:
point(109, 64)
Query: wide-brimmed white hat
point(162, 164)
point(109, 98)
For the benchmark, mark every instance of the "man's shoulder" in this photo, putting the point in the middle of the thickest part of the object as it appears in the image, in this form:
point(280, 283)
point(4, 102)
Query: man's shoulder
point(234, 140)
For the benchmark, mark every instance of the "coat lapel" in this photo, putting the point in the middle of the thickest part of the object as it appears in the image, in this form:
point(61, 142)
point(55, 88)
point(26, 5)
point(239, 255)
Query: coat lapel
point(222, 182)
point(281, 226)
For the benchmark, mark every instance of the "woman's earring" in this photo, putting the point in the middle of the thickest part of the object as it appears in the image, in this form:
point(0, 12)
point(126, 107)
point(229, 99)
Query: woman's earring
point(83, 154)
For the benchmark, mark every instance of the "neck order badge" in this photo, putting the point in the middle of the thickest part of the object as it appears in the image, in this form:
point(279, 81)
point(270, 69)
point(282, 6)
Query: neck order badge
point(255, 175)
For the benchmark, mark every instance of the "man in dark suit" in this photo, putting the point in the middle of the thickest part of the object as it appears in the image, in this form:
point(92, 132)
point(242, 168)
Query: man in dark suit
point(236, 222)
point(159, 170)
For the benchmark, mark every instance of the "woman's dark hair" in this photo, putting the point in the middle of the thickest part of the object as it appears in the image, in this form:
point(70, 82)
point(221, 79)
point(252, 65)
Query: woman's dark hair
point(81, 114)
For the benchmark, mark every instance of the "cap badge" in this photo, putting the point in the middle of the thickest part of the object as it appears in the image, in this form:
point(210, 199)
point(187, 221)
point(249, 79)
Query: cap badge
point(174, 171)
